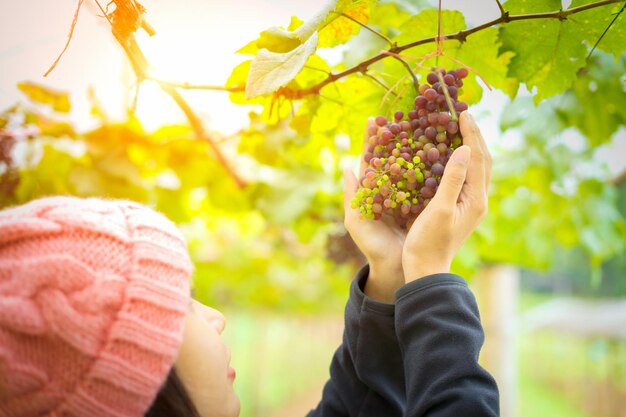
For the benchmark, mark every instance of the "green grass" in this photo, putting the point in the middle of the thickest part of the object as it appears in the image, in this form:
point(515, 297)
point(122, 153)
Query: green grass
point(539, 400)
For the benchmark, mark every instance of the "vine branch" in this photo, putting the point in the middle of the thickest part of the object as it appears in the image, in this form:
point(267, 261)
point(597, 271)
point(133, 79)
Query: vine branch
point(460, 36)
point(189, 86)
point(69, 38)
point(416, 83)
point(502, 11)
point(125, 20)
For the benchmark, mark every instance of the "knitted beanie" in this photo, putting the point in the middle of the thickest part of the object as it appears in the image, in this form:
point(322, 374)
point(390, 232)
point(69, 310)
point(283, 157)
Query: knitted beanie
point(93, 296)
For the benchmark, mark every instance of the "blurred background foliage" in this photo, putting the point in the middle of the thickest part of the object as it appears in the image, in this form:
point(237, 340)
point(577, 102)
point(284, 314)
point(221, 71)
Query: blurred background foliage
point(278, 243)
point(279, 239)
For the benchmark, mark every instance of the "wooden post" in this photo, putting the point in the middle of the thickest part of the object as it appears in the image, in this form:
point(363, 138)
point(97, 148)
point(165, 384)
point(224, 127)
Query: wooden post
point(497, 289)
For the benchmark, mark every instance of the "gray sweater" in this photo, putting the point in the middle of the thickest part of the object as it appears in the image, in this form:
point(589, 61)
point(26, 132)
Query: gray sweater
point(417, 357)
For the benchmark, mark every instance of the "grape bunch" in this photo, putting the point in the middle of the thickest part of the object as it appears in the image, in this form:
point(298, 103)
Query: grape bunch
point(405, 157)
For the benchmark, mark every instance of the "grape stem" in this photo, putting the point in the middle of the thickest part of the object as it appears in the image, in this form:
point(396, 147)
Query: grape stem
point(446, 93)
point(416, 83)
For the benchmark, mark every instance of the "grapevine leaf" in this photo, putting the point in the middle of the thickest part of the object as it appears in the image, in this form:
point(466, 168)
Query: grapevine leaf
point(282, 53)
point(275, 39)
point(344, 109)
point(270, 70)
point(412, 7)
point(480, 52)
point(58, 100)
point(552, 51)
point(317, 22)
point(542, 122)
point(340, 29)
point(593, 22)
point(424, 25)
point(387, 17)
point(600, 88)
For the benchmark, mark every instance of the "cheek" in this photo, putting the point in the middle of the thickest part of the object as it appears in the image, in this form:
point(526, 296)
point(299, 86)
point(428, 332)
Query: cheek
point(202, 365)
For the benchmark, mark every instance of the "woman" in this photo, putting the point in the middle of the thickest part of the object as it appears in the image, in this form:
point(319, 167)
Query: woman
point(96, 318)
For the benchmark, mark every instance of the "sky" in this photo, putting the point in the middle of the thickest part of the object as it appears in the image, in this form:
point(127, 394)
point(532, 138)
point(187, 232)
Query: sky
point(195, 42)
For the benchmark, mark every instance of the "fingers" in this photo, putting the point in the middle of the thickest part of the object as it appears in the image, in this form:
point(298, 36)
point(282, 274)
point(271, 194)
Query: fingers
point(453, 178)
point(479, 174)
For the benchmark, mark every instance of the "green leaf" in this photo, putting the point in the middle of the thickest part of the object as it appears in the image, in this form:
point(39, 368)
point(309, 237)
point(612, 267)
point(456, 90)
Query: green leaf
point(321, 18)
point(270, 70)
point(424, 25)
point(387, 17)
point(339, 29)
point(480, 52)
point(600, 106)
point(549, 52)
point(596, 20)
point(282, 53)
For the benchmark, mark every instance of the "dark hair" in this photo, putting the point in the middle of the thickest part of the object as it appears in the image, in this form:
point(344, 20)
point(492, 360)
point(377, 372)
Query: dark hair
point(172, 400)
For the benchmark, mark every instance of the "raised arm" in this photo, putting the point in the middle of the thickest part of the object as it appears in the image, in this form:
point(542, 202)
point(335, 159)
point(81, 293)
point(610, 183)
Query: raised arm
point(437, 320)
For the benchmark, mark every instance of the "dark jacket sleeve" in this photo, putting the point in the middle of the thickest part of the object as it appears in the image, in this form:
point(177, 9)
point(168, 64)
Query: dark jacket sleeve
point(415, 358)
point(440, 335)
point(366, 372)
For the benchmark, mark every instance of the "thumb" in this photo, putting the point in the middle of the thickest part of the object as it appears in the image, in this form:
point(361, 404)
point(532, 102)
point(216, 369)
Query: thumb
point(350, 186)
point(453, 177)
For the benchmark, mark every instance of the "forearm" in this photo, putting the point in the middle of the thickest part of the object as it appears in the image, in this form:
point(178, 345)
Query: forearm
point(366, 370)
point(440, 335)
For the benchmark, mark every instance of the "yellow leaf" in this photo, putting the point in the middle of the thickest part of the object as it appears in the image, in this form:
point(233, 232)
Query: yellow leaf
point(58, 100)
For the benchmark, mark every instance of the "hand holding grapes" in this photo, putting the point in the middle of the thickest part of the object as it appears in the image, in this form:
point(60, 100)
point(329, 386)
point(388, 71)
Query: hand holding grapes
point(456, 209)
point(381, 241)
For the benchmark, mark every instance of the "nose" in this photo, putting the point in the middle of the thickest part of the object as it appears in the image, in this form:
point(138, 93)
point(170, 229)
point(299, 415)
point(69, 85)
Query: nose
point(216, 319)
point(211, 315)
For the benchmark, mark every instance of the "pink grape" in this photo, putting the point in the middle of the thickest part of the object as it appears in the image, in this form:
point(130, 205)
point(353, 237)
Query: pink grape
point(462, 73)
point(437, 169)
point(430, 94)
point(406, 155)
point(433, 155)
point(431, 183)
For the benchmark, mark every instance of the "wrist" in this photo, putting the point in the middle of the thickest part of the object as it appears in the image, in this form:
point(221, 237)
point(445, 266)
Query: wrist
point(383, 281)
point(413, 272)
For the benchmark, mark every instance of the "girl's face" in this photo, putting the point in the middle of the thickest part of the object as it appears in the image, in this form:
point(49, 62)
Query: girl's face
point(203, 363)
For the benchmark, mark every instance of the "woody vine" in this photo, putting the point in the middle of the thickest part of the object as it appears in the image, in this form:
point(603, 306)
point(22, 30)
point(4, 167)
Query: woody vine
point(128, 16)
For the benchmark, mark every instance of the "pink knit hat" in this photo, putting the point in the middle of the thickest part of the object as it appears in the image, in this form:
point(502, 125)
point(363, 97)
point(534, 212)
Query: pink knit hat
point(93, 296)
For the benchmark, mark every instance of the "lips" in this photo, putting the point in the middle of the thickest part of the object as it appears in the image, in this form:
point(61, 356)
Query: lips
point(231, 373)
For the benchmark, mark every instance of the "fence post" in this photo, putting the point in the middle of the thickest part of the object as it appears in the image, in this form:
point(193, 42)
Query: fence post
point(497, 290)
